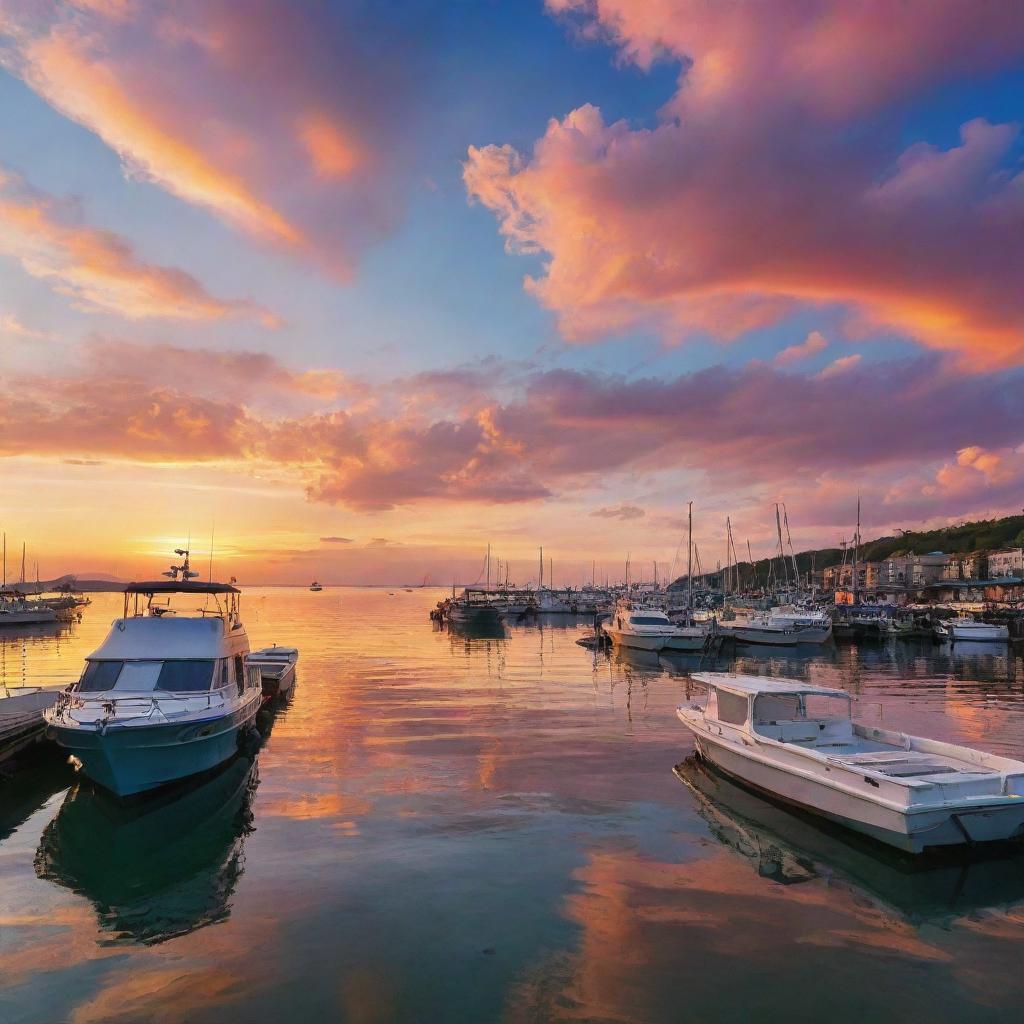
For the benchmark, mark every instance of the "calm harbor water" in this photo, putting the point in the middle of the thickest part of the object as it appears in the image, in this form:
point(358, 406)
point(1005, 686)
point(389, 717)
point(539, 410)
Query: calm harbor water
point(453, 828)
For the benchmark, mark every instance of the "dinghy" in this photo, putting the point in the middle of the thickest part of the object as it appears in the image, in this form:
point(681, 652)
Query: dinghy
point(276, 667)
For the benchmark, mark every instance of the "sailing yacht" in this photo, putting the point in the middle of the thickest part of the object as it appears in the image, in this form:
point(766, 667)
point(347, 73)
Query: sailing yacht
point(167, 694)
point(689, 635)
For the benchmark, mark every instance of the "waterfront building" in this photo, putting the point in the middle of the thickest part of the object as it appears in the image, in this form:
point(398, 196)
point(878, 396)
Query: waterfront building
point(1006, 562)
point(922, 570)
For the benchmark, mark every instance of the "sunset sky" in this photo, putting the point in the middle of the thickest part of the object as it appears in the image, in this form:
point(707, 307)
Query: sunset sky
point(363, 286)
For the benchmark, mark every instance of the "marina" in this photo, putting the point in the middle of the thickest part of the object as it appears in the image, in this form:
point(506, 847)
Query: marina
point(443, 821)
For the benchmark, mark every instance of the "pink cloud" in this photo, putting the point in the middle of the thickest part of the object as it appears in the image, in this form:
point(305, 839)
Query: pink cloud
point(100, 270)
point(623, 512)
point(828, 58)
point(917, 439)
point(751, 196)
point(840, 365)
point(273, 117)
point(812, 344)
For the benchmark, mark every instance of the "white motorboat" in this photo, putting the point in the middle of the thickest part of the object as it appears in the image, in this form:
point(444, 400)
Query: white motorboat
point(277, 669)
point(21, 716)
point(781, 627)
point(166, 695)
point(798, 743)
point(316, 587)
point(18, 610)
point(965, 628)
point(645, 629)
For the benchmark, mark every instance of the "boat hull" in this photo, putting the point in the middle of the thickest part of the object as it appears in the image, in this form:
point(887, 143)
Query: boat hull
point(779, 638)
point(692, 642)
point(982, 633)
point(637, 641)
point(914, 833)
point(33, 617)
point(131, 760)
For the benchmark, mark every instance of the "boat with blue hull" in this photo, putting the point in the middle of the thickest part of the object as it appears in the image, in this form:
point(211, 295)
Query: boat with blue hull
point(168, 694)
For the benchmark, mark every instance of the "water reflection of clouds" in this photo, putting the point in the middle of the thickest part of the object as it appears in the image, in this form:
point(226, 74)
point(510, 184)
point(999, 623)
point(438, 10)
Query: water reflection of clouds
point(514, 842)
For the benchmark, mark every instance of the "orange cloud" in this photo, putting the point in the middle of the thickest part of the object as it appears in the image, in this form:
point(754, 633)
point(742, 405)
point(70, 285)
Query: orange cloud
point(99, 269)
point(840, 365)
point(89, 90)
point(267, 115)
point(752, 195)
point(332, 154)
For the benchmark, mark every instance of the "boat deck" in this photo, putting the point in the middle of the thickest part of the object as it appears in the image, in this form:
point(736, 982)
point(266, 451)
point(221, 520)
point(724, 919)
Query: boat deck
point(897, 764)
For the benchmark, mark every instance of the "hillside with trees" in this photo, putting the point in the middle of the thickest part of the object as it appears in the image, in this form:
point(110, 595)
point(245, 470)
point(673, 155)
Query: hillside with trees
point(961, 538)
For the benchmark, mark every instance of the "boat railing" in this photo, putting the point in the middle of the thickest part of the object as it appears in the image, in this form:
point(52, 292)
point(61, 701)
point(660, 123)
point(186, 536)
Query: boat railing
point(71, 700)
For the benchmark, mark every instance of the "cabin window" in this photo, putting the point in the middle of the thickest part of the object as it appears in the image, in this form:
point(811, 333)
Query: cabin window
point(732, 708)
point(648, 620)
point(185, 676)
point(777, 707)
point(239, 673)
point(139, 676)
point(146, 676)
point(821, 707)
point(99, 676)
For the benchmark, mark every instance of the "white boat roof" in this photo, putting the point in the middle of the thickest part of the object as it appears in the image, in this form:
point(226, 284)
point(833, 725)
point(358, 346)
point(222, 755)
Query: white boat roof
point(753, 685)
point(166, 637)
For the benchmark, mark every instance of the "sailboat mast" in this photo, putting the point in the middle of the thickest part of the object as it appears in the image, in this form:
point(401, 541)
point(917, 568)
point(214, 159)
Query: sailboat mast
point(753, 568)
point(689, 555)
point(488, 566)
point(782, 552)
point(22, 561)
point(789, 540)
point(540, 585)
point(856, 553)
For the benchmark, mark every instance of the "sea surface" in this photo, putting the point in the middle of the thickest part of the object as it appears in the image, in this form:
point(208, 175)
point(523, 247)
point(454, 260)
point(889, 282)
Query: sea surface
point(442, 827)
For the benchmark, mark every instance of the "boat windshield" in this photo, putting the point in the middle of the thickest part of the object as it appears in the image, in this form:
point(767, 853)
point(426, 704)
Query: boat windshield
point(177, 676)
point(648, 620)
point(771, 708)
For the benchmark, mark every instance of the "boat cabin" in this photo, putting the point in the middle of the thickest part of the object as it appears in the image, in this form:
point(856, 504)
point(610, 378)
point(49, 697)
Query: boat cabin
point(786, 711)
point(630, 618)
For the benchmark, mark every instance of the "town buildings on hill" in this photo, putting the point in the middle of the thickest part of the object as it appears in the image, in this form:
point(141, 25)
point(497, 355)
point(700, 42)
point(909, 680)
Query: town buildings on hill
point(993, 576)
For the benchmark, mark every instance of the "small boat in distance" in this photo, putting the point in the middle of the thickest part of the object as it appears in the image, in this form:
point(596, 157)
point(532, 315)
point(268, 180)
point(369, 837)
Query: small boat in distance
point(166, 695)
point(17, 609)
point(316, 587)
point(963, 627)
point(798, 743)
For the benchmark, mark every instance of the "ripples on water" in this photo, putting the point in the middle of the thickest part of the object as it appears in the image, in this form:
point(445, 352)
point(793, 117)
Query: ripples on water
point(451, 828)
